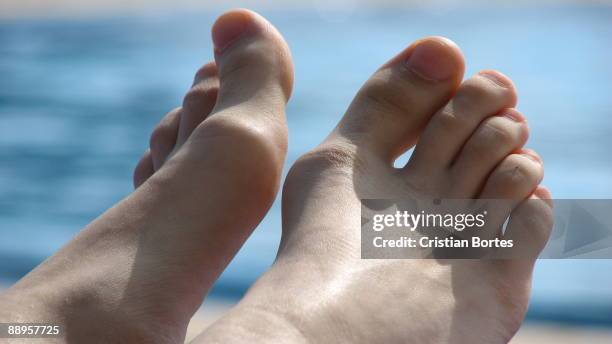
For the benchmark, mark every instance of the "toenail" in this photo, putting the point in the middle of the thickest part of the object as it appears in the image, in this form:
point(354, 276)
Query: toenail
point(228, 28)
point(543, 193)
point(528, 153)
point(432, 60)
point(515, 116)
point(497, 78)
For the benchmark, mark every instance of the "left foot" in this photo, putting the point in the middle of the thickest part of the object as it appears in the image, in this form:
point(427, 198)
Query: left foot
point(139, 272)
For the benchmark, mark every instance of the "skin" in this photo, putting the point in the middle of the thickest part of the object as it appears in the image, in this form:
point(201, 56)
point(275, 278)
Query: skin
point(137, 273)
point(469, 141)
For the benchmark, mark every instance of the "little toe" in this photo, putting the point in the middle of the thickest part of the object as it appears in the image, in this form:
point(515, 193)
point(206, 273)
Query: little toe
point(529, 228)
point(493, 140)
point(482, 96)
point(391, 109)
point(144, 169)
point(163, 138)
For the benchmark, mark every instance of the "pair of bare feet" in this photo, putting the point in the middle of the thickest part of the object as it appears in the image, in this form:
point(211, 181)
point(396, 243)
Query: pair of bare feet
point(139, 272)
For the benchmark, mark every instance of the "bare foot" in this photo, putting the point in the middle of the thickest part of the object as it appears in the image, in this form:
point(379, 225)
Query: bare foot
point(468, 145)
point(139, 272)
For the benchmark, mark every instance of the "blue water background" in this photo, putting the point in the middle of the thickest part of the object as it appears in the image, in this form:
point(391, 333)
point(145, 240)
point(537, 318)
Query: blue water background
point(79, 97)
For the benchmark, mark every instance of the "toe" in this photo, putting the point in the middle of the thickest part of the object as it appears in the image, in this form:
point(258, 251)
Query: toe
point(389, 112)
point(493, 140)
point(163, 138)
point(245, 130)
point(529, 228)
point(199, 101)
point(512, 181)
point(254, 62)
point(144, 169)
point(515, 177)
point(482, 96)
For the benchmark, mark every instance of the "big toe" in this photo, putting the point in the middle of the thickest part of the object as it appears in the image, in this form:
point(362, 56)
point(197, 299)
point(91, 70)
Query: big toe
point(246, 129)
point(392, 108)
point(254, 62)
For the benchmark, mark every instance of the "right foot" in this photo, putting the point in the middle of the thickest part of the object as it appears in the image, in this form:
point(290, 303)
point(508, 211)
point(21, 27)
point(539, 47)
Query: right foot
point(469, 143)
point(139, 272)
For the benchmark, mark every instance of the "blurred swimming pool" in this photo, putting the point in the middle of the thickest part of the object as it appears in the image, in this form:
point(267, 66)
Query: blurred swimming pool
point(78, 99)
